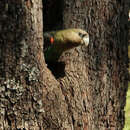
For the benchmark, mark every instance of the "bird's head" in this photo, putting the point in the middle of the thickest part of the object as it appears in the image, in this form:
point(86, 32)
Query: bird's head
point(76, 37)
point(56, 42)
point(73, 36)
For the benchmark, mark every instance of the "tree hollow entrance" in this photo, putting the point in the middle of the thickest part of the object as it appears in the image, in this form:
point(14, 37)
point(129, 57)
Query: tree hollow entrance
point(52, 14)
point(53, 20)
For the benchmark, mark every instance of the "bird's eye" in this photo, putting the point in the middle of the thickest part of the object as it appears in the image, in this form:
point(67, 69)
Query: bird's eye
point(82, 35)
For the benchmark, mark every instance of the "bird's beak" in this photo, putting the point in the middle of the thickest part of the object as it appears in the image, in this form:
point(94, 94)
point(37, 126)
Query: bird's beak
point(86, 41)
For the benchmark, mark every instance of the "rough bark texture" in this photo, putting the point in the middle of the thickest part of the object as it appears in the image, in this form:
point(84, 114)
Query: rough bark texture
point(26, 85)
point(30, 96)
point(91, 95)
point(21, 77)
point(96, 78)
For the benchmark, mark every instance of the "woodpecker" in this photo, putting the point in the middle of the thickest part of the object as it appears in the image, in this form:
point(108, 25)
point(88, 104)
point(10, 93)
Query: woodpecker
point(56, 42)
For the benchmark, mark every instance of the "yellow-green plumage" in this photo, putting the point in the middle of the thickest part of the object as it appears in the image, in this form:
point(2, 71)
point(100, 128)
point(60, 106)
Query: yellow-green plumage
point(63, 40)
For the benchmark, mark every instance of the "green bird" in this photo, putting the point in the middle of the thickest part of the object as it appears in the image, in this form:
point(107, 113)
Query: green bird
point(56, 42)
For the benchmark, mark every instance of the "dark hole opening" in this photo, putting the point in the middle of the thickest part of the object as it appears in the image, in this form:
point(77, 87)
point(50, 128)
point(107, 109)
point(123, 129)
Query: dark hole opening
point(52, 14)
point(53, 20)
point(57, 69)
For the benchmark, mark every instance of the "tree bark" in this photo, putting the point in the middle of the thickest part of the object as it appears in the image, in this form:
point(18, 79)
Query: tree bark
point(90, 96)
point(97, 78)
point(21, 76)
point(26, 85)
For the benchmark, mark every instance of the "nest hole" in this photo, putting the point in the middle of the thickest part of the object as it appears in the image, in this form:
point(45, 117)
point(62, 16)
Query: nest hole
point(53, 20)
point(52, 14)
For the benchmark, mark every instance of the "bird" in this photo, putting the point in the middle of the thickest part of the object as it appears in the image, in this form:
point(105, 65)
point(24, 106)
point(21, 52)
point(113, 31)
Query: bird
point(56, 42)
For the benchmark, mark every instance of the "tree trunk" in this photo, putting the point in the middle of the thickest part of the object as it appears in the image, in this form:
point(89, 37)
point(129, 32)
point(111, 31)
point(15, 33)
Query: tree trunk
point(96, 77)
point(91, 95)
point(21, 73)
point(26, 85)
